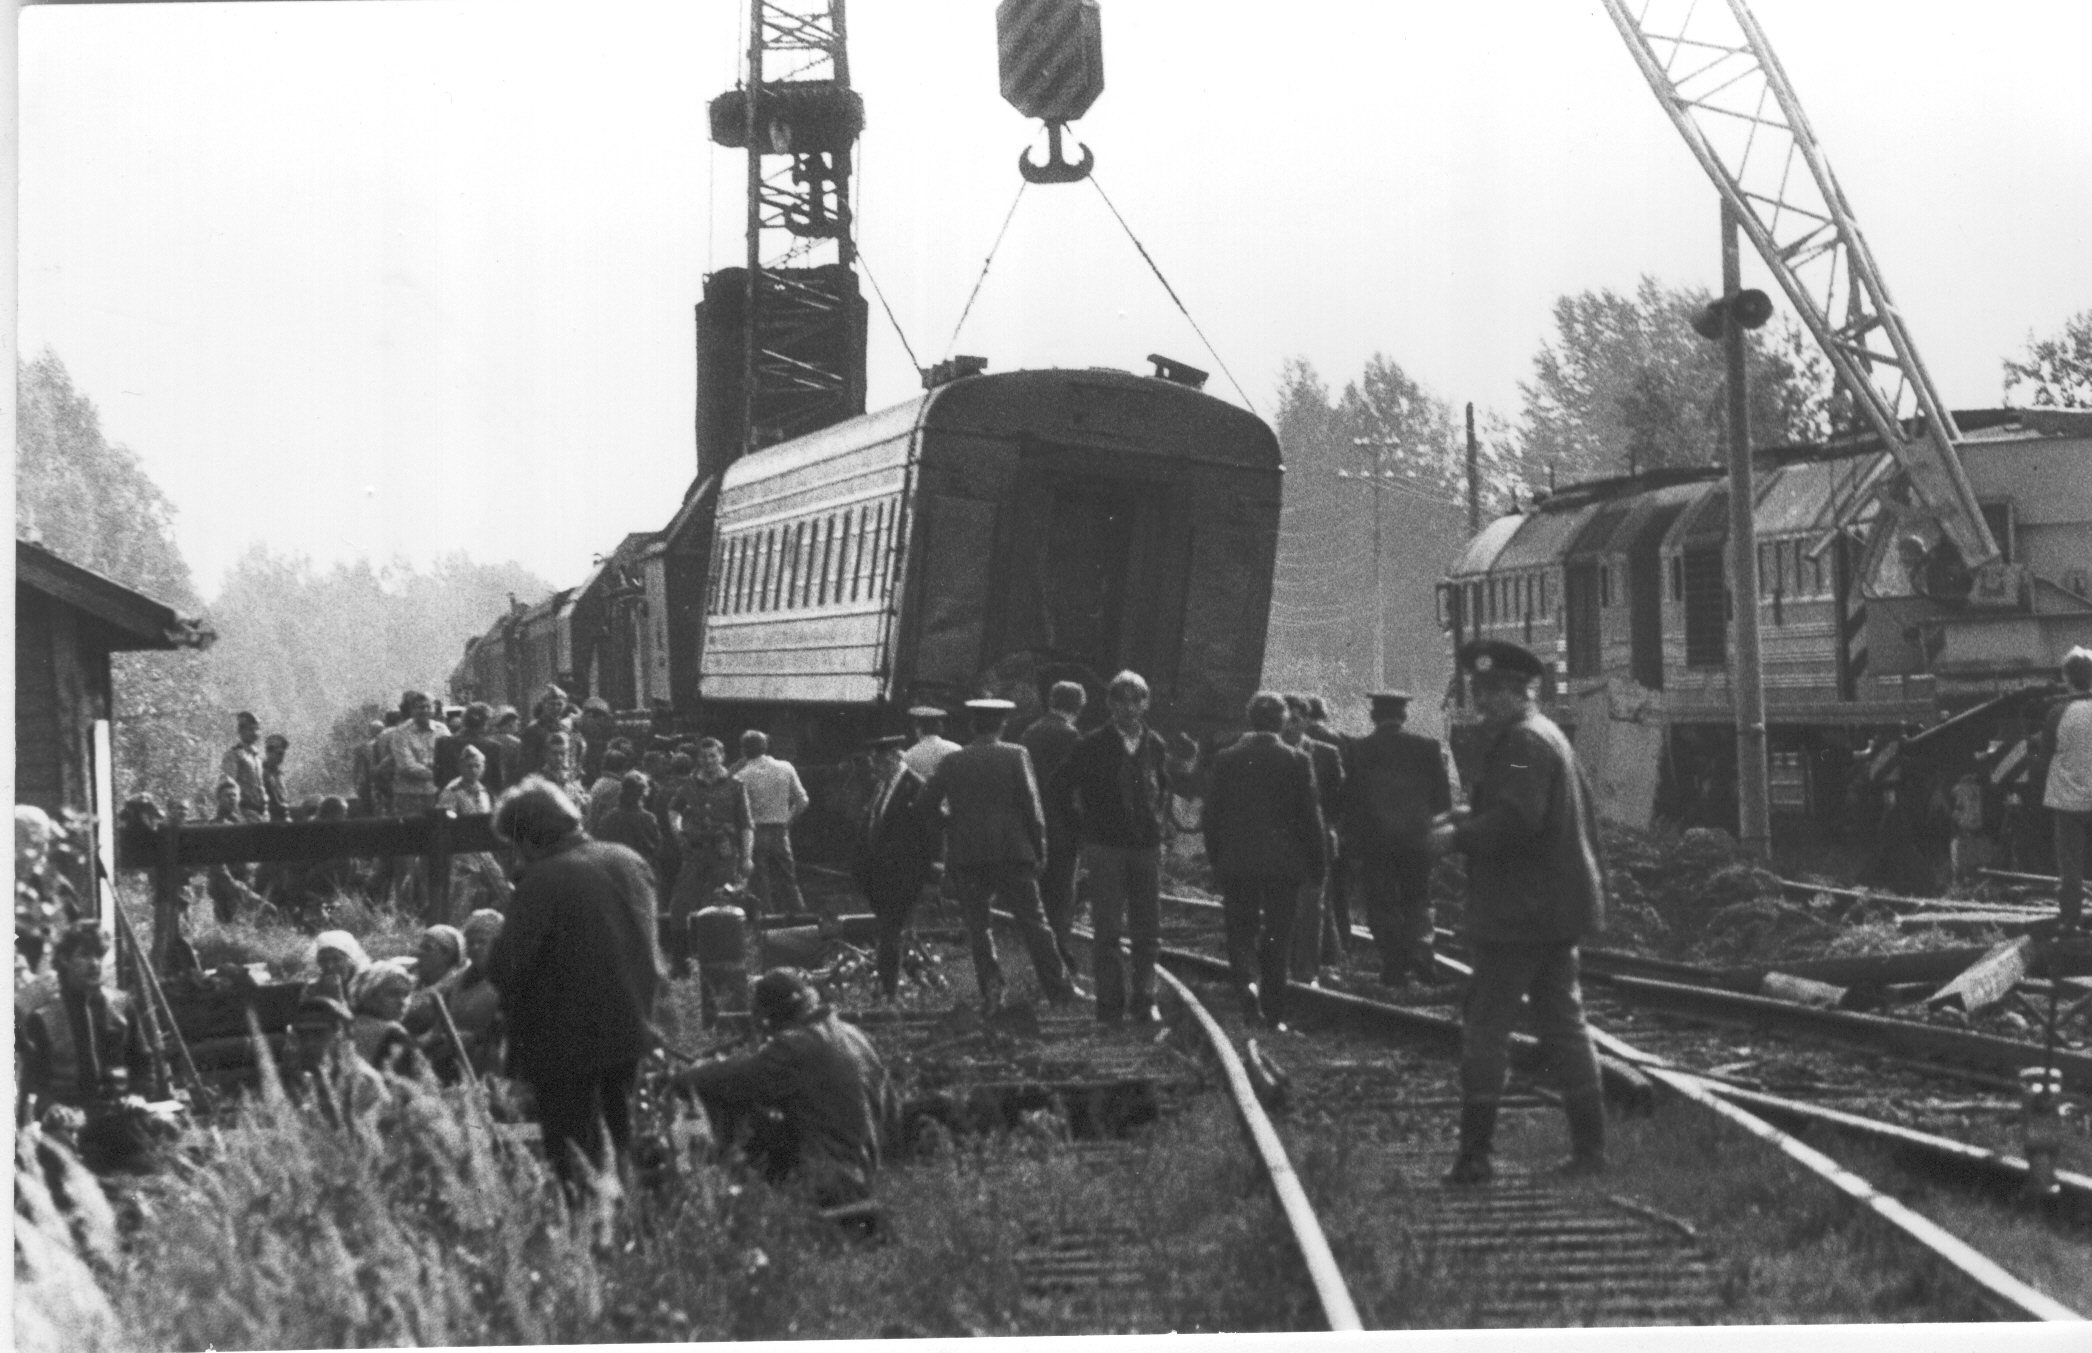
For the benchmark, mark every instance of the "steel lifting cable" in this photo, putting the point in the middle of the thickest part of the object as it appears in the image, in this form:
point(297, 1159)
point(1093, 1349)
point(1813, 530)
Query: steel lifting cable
point(1157, 270)
point(880, 292)
point(985, 264)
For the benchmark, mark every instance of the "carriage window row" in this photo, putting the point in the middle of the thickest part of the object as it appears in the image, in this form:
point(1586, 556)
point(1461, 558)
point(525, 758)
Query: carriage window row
point(835, 558)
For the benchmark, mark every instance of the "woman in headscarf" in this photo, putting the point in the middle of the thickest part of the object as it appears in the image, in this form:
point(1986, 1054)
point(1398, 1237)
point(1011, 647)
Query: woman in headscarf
point(338, 958)
point(378, 998)
point(476, 877)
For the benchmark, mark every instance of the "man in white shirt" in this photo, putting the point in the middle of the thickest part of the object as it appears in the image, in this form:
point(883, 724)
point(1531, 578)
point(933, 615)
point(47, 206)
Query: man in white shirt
point(2066, 738)
point(775, 801)
point(930, 746)
point(407, 754)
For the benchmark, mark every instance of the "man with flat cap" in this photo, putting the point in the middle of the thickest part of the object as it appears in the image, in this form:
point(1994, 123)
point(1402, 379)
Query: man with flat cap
point(894, 854)
point(995, 843)
point(1535, 888)
point(1394, 784)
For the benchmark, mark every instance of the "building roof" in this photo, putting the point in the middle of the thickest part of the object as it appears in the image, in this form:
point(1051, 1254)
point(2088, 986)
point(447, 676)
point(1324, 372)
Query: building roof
point(138, 621)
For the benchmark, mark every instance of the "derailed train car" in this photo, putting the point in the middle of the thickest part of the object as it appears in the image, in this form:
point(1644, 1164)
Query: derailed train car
point(994, 534)
point(1621, 586)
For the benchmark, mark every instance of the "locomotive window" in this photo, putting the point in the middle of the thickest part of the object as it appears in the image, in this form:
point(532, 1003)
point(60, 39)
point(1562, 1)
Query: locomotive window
point(1543, 596)
point(742, 584)
point(1677, 577)
point(1605, 585)
point(736, 555)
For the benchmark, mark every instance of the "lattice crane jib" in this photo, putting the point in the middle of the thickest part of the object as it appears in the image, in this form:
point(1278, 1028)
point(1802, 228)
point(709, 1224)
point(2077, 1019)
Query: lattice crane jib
point(801, 314)
point(1717, 77)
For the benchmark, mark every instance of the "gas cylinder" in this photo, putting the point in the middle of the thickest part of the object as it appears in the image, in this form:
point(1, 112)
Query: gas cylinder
point(719, 936)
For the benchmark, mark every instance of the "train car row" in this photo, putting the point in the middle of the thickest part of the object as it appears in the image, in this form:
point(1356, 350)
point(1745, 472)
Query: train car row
point(992, 535)
point(1622, 586)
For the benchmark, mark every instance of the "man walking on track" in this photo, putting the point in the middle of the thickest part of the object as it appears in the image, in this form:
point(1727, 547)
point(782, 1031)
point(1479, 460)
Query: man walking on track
point(894, 854)
point(1394, 784)
point(775, 801)
point(930, 746)
point(577, 970)
point(2066, 740)
point(1264, 839)
point(1115, 787)
point(1535, 888)
point(995, 841)
point(1049, 741)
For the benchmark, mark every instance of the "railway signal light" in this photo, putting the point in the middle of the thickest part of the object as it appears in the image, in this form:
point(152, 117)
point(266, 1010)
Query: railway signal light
point(1751, 308)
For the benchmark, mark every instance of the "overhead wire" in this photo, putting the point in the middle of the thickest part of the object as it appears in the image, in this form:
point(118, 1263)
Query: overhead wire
point(1181, 308)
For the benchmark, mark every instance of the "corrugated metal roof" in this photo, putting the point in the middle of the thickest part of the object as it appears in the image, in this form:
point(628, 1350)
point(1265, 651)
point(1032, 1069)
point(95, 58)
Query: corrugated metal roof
point(1483, 548)
point(1543, 538)
point(815, 447)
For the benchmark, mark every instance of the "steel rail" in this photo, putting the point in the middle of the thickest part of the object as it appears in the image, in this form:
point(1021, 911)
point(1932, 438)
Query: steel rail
point(1966, 1259)
point(2003, 1056)
point(1339, 1312)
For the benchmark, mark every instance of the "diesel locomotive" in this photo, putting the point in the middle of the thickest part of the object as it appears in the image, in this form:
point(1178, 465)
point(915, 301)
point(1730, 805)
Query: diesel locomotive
point(1621, 586)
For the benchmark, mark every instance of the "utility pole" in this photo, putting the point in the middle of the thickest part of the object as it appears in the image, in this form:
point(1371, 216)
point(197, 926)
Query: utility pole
point(1753, 795)
point(1379, 478)
point(1474, 475)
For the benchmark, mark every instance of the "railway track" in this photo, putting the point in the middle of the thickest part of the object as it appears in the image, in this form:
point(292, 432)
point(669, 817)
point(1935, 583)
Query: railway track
point(1747, 1107)
point(1367, 1107)
point(1096, 1096)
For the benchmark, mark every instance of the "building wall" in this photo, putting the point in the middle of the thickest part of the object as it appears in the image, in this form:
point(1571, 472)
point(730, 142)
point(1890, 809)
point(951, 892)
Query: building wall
point(61, 688)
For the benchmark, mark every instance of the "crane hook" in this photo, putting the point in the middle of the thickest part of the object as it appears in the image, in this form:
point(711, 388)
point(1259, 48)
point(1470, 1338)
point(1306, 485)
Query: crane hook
point(1056, 169)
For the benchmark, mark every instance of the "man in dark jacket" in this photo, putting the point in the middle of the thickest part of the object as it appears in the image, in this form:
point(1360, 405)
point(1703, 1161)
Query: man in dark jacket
point(1049, 741)
point(995, 841)
point(1395, 783)
point(894, 853)
point(577, 968)
point(1535, 887)
point(813, 1104)
point(1309, 921)
point(1264, 839)
point(1115, 788)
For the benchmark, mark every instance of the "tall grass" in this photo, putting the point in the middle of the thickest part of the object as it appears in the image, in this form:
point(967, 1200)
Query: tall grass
point(412, 1221)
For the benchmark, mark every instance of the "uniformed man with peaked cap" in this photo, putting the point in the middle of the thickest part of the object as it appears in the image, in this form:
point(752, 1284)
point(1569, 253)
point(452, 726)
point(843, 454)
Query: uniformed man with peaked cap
point(1395, 784)
point(1535, 888)
point(930, 745)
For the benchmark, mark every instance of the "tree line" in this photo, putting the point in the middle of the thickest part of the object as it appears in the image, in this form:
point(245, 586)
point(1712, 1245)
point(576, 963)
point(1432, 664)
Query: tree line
point(313, 652)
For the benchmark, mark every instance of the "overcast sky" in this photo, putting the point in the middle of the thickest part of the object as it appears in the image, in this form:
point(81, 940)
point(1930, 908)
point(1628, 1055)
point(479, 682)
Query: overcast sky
point(405, 278)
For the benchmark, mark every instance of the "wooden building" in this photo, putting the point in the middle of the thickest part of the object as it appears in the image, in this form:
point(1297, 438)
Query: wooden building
point(68, 620)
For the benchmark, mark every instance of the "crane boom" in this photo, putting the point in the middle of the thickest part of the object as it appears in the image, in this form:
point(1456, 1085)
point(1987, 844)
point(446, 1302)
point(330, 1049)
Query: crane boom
point(1719, 80)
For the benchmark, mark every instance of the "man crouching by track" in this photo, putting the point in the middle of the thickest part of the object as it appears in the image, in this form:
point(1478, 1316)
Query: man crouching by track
point(1535, 887)
point(812, 1105)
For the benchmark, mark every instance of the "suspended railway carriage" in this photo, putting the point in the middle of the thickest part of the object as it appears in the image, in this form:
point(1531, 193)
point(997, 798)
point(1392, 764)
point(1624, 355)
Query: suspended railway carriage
point(993, 535)
point(1621, 586)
